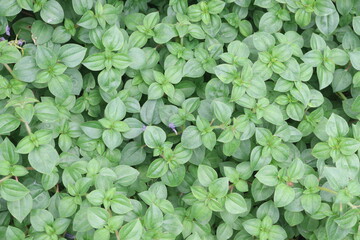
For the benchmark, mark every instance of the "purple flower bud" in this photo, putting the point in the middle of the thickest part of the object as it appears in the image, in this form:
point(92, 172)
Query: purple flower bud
point(20, 42)
point(173, 127)
point(7, 30)
point(2, 39)
point(69, 236)
point(143, 128)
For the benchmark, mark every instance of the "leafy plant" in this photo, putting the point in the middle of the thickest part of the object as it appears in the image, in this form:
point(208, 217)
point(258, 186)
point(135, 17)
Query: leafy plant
point(148, 119)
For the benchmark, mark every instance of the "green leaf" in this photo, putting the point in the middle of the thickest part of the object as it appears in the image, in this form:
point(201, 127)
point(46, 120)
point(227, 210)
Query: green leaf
point(113, 39)
point(235, 203)
point(313, 58)
point(115, 110)
point(132, 230)
point(120, 204)
point(356, 24)
point(336, 126)
point(153, 217)
point(349, 146)
point(354, 58)
point(263, 41)
point(112, 138)
point(92, 129)
point(9, 8)
point(155, 91)
point(219, 187)
point(80, 7)
point(323, 7)
point(327, 24)
point(95, 62)
point(333, 231)
point(52, 12)
point(45, 57)
point(14, 233)
point(9, 54)
point(342, 80)
point(61, 86)
point(268, 175)
point(72, 54)
point(216, 6)
point(310, 202)
point(325, 77)
point(26, 69)
point(277, 232)
point(281, 52)
point(164, 32)
point(88, 20)
point(284, 195)
point(280, 152)
point(226, 72)
point(321, 150)
point(191, 138)
point(270, 23)
point(132, 154)
point(97, 217)
point(19, 209)
point(222, 111)
point(209, 140)
point(41, 32)
point(348, 220)
point(157, 168)
point(40, 218)
point(273, 115)
point(43, 158)
point(252, 226)
point(154, 136)
point(206, 175)
point(68, 207)
point(7, 152)
point(11, 190)
point(8, 123)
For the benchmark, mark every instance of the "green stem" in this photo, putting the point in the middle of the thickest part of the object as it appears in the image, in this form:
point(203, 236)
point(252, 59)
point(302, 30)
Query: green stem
point(117, 235)
point(174, 134)
point(116, 231)
point(327, 190)
point(353, 206)
point(341, 95)
point(348, 67)
point(219, 126)
point(9, 70)
point(28, 129)
point(4, 178)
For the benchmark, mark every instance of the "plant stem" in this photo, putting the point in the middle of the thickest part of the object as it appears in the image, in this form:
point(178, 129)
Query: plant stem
point(28, 129)
point(341, 95)
point(9, 69)
point(117, 235)
point(4, 178)
point(353, 206)
point(116, 231)
point(327, 190)
point(231, 188)
point(174, 134)
point(348, 67)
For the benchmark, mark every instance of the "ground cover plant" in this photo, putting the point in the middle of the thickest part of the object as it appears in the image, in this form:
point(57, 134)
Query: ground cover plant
point(180, 119)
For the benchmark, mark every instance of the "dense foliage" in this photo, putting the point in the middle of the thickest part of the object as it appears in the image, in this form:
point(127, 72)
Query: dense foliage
point(154, 119)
